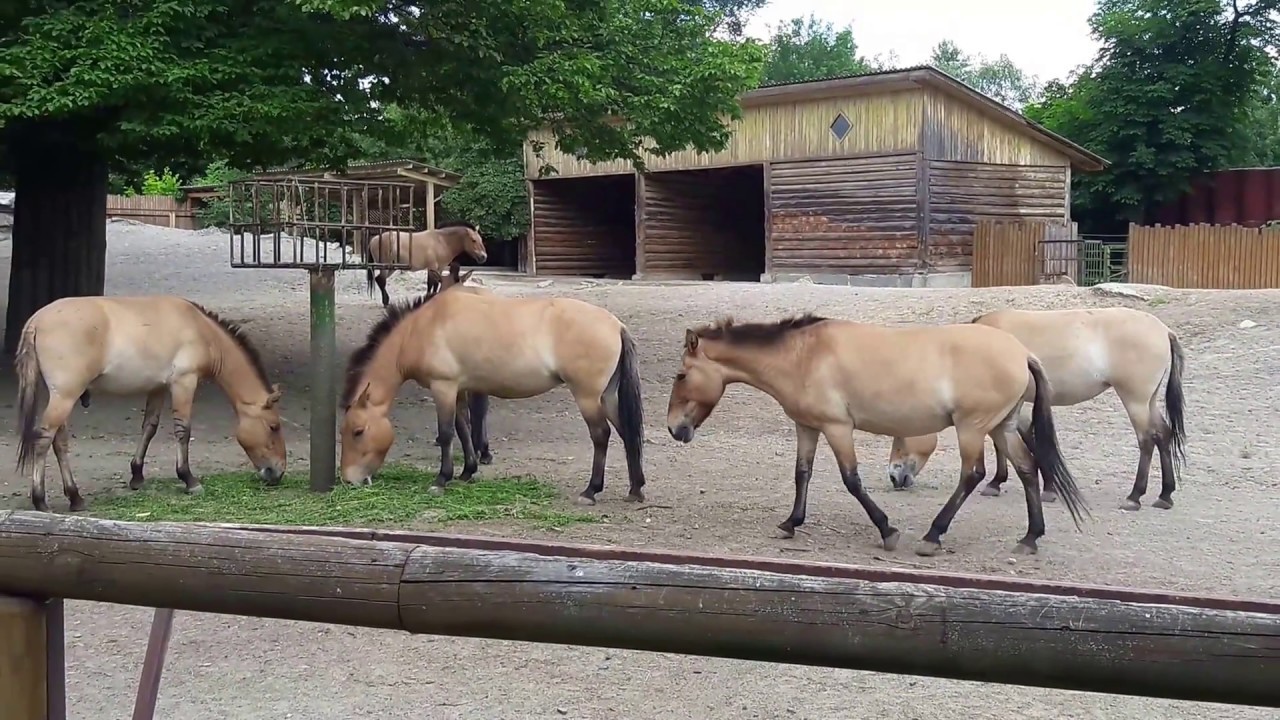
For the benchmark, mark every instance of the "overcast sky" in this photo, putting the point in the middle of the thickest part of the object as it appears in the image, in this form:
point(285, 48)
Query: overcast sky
point(1046, 39)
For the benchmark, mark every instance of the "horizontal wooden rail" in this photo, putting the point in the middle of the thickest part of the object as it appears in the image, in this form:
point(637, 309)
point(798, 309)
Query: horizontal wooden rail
point(812, 618)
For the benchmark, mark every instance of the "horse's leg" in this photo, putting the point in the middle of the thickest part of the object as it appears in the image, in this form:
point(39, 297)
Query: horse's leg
point(381, 279)
point(480, 427)
point(462, 426)
point(994, 486)
point(445, 395)
point(69, 488)
point(973, 468)
point(1141, 417)
point(806, 448)
point(182, 394)
point(55, 416)
point(1025, 465)
point(1168, 473)
point(150, 424)
point(840, 438)
point(593, 412)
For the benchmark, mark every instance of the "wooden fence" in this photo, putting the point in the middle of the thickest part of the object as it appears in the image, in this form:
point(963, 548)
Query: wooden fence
point(989, 629)
point(153, 210)
point(1024, 252)
point(1223, 257)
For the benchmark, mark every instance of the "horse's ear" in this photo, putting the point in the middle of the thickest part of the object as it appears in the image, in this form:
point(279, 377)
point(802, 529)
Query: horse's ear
point(363, 398)
point(477, 227)
point(466, 277)
point(274, 397)
point(690, 341)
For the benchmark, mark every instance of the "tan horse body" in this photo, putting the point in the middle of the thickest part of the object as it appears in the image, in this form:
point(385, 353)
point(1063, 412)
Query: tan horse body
point(153, 346)
point(457, 341)
point(431, 250)
point(832, 377)
point(1085, 352)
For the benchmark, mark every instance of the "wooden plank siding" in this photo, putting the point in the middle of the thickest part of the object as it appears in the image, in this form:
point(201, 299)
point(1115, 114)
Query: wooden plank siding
point(702, 222)
point(953, 130)
point(962, 193)
point(888, 122)
point(1209, 257)
point(852, 216)
point(160, 210)
point(584, 228)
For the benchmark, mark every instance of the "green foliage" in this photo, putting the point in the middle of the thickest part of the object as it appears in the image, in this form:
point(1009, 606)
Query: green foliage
point(998, 78)
point(165, 184)
point(1171, 95)
point(805, 48)
point(216, 210)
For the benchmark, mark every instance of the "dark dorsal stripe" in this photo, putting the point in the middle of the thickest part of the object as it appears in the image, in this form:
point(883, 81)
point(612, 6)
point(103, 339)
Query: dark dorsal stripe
point(238, 336)
point(757, 333)
point(392, 317)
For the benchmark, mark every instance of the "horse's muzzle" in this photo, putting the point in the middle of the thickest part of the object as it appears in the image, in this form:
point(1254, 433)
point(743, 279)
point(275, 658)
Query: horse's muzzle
point(901, 478)
point(271, 476)
point(682, 432)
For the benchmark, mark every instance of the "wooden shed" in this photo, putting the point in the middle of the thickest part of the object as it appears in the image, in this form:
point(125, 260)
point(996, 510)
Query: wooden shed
point(883, 174)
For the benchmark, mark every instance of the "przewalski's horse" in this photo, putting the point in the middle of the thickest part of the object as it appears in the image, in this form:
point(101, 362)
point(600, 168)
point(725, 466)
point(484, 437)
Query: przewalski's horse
point(1084, 352)
point(424, 250)
point(455, 341)
point(834, 376)
point(150, 345)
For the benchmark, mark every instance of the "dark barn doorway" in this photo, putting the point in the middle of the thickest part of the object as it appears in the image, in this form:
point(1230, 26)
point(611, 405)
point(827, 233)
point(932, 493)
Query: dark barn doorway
point(707, 224)
point(585, 226)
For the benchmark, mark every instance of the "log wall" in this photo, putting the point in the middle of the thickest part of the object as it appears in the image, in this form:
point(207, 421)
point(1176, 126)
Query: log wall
point(959, 194)
point(704, 222)
point(584, 226)
point(849, 216)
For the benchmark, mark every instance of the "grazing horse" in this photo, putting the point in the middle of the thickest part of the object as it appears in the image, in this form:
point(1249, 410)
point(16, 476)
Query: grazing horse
point(1084, 352)
point(454, 341)
point(423, 250)
point(832, 377)
point(151, 345)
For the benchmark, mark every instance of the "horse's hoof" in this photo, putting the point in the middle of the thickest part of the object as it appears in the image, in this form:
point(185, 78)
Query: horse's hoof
point(1163, 504)
point(436, 490)
point(76, 503)
point(195, 489)
point(891, 540)
point(990, 491)
point(137, 483)
point(635, 496)
point(40, 506)
point(1131, 505)
point(1025, 548)
point(1049, 497)
point(486, 459)
point(788, 529)
point(585, 500)
point(927, 548)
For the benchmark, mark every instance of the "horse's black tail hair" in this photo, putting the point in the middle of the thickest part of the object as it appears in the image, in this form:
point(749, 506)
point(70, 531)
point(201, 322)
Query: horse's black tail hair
point(367, 256)
point(626, 382)
point(1175, 404)
point(30, 384)
point(1047, 454)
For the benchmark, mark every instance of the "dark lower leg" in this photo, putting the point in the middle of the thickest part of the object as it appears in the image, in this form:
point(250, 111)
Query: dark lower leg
point(444, 440)
point(64, 467)
point(853, 483)
point(480, 427)
point(804, 471)
point(150, 425)
point(942, 521)
point(462, 424)
point(40, 455)
point(1168, 476)
point(382, 286)
point(600, 434)
point(1035, 511)
point(182, 433)
point(1145, 448)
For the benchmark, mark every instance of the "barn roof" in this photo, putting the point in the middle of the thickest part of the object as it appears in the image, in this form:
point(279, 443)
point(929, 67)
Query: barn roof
point(405, 168)
point(922, 76)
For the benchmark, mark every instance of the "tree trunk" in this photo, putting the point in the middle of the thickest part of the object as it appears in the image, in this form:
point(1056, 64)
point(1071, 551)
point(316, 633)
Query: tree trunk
point(59, 220)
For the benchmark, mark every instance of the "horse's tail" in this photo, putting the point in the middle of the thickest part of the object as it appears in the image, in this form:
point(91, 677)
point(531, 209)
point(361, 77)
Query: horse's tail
point(363, 249)
point(30, 381)
point(1175, 404)
point(626, 382)
point(1045, 450)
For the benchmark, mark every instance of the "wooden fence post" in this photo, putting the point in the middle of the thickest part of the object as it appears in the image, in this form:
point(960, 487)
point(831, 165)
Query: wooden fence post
point(23, 656)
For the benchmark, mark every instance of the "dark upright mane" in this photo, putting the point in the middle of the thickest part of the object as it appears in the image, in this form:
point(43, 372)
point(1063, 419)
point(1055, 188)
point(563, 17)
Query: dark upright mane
point(392, 317)
point(238, 336)
point(757, 333)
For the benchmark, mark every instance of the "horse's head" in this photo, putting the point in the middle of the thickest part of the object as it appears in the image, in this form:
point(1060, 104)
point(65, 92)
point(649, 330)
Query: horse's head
point(258, 432)
point(908, 457)
point(474, 245)
point(366, 438)
point(698, 387)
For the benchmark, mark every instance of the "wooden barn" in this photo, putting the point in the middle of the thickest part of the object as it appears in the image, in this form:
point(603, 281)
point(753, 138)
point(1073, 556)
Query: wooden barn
point(875, 175)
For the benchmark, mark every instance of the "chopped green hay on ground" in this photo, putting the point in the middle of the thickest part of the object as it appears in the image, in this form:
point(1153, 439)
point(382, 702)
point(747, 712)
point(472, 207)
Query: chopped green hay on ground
point(398, 496)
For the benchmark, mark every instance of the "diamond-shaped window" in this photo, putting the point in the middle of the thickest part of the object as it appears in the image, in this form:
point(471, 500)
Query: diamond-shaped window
point(841, 126)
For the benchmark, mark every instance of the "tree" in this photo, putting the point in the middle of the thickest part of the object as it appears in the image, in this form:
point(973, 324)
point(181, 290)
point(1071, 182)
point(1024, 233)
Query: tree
point(1167, 98)
point(806, 48)
point(999, 78)
point(94, 84)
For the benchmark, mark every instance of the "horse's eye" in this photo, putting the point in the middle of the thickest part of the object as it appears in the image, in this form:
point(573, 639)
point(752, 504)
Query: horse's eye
point(275, 428)
point(357, 432)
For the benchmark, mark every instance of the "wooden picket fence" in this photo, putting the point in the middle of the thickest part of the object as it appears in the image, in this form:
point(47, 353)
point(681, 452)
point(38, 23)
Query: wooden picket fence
point(153, 210)
point(1025, 252)
point(1221, 257)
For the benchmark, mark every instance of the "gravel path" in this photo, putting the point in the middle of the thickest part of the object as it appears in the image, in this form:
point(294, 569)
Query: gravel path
point(723, 493)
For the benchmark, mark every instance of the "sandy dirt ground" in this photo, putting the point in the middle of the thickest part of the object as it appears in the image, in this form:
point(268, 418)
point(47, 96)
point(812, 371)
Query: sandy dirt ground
point(724, 493)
